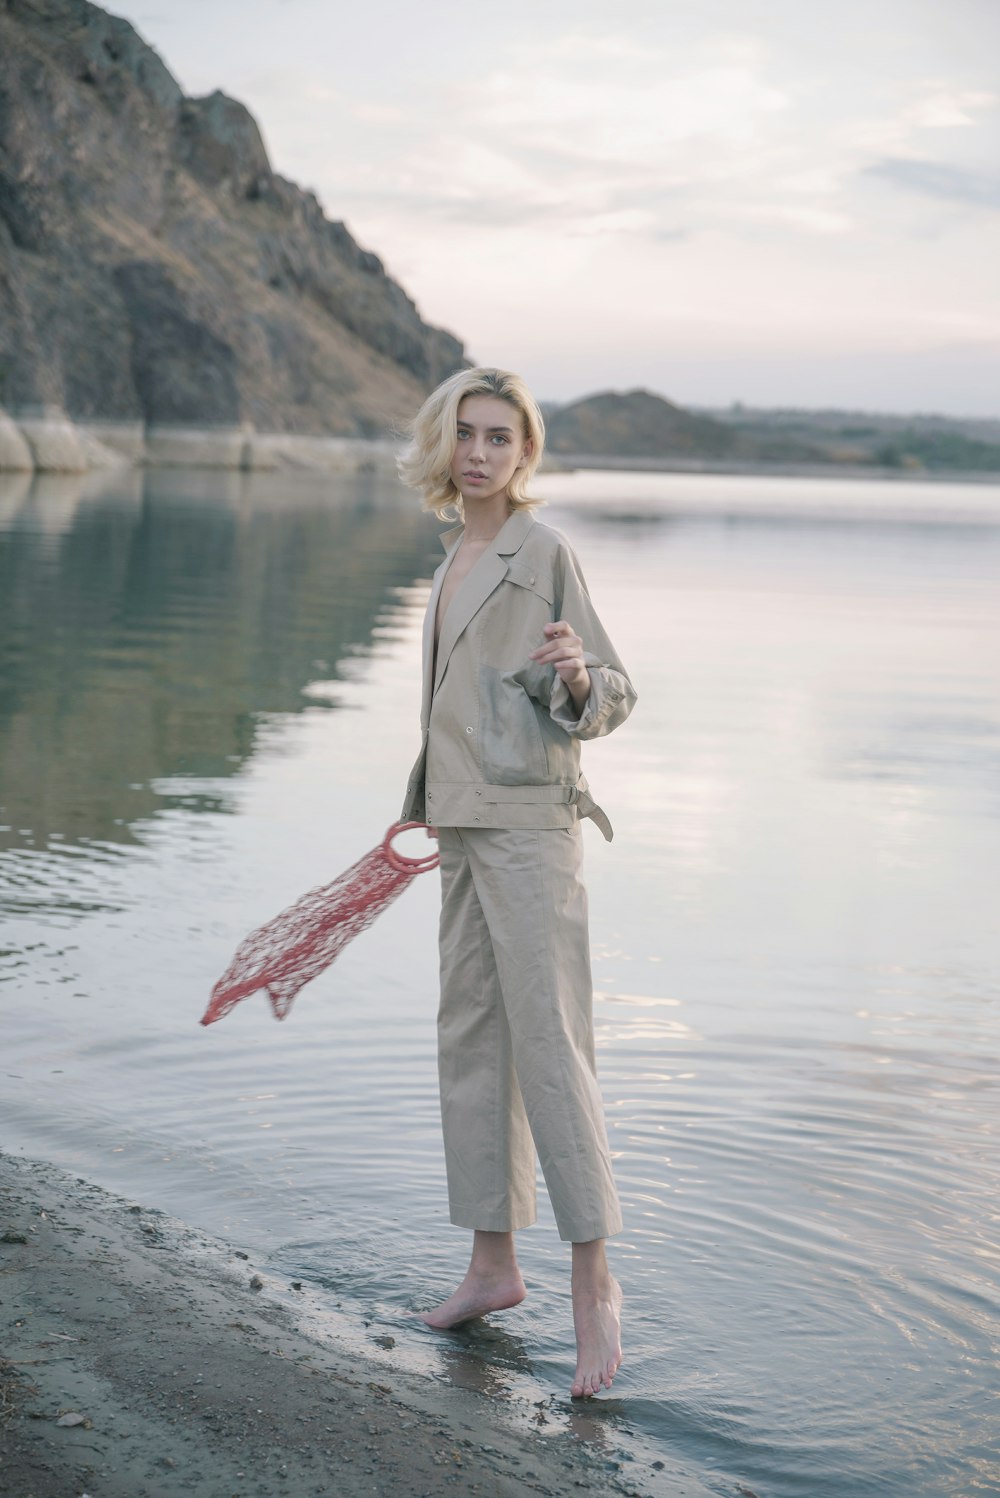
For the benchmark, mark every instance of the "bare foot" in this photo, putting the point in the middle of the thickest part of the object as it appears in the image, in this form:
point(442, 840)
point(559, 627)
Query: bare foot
point(478, 1294)
point(597, 1319)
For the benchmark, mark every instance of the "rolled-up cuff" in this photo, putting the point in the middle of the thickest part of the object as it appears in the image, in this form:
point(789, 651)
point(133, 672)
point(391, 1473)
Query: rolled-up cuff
point(604, 699)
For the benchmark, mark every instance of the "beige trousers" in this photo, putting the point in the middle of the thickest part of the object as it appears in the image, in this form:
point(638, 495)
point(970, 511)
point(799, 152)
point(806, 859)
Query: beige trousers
point(516, 1035)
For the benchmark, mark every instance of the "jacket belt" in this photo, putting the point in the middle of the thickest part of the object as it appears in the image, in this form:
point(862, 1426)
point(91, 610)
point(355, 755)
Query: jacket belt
point(589, 808)
point(545, 794)
point(550, 795)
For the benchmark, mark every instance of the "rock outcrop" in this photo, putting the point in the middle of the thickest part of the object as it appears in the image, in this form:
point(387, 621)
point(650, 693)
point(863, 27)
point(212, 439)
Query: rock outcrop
point(153, 268)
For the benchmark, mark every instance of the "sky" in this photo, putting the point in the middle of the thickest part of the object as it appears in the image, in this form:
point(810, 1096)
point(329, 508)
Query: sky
point(766, 201)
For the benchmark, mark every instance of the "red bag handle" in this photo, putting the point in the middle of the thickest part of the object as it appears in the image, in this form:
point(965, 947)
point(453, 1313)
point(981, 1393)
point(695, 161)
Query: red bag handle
point(399, 861)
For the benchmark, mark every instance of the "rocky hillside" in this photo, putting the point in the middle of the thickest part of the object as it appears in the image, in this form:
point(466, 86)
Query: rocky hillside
point(152, 265)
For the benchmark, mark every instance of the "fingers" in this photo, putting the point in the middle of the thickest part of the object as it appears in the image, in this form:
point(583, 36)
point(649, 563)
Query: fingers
point(563, 648)
point(568, 662)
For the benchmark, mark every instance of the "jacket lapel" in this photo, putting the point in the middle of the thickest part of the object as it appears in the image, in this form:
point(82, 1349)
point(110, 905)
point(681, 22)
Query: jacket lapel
point(486, 575)
point(450, 541)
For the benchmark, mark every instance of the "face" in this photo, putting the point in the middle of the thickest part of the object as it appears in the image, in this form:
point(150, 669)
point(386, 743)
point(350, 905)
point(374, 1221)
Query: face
point(490, 446)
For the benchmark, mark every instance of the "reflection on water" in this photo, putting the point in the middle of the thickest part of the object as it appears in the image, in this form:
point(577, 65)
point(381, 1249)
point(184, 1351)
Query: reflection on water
point(150, 624)
point(208, 704)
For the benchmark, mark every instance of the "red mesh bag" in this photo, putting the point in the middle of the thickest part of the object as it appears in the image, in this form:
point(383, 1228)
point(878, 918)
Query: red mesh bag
point(297, 945)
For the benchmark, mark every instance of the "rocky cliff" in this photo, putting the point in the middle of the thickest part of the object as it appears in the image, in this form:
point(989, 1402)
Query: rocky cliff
point(154, 268)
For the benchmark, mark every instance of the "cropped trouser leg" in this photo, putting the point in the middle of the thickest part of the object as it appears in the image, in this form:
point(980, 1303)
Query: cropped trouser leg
point(515, 1034)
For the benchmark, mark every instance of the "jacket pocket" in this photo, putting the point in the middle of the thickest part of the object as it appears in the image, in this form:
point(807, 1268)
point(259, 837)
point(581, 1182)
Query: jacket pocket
point(534, 579)
point(511, 747)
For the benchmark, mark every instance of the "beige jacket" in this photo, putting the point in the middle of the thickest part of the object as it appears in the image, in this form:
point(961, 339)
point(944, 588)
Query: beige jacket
point(500, 735)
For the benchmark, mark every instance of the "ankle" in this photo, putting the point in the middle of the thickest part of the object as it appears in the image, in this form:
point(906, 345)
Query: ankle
point(493, 1257)
point(590, 1272)
point(490, 1270)
point(597, 1286)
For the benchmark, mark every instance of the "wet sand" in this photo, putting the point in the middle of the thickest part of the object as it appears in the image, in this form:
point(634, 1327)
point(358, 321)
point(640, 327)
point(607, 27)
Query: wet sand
point(139, 1362)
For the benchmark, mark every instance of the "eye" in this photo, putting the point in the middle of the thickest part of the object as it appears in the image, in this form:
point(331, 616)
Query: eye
point(463, 432)
point(499, 437)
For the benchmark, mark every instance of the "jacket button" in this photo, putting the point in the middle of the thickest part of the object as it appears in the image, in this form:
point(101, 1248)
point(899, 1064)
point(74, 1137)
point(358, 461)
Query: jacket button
point(479, 793)
point(468, 730)
point(475, 819)
point(430, 795)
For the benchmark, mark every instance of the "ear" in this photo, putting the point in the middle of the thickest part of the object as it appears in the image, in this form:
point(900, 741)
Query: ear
point(526, 452)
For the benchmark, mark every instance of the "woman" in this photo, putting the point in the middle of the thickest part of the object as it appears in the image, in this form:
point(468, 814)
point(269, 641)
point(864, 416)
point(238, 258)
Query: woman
point(517, 671)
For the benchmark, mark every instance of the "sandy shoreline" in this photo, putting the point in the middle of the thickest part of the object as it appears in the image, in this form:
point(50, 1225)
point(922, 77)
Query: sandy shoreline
point(189, 1381)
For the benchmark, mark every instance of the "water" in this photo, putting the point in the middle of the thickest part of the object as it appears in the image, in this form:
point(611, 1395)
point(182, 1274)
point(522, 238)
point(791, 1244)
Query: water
point(208, 703)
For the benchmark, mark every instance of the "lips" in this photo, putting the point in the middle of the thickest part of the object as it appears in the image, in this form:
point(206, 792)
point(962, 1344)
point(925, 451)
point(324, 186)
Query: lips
point(473, 473)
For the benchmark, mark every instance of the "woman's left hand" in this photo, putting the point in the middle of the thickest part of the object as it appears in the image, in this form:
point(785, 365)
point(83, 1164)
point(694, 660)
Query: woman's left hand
point(563, 649)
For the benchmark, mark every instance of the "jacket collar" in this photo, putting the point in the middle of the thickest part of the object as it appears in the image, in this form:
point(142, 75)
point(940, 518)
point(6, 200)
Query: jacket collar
point(508, 538)
point(487, 574)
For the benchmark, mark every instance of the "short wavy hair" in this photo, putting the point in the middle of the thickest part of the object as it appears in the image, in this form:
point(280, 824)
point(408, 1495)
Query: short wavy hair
point(425, 463)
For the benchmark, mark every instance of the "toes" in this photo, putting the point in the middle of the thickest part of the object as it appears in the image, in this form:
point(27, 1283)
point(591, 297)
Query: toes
point(586, 1385)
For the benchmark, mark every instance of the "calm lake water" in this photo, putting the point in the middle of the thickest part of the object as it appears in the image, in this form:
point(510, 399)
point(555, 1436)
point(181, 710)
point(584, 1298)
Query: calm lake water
point(208, 704)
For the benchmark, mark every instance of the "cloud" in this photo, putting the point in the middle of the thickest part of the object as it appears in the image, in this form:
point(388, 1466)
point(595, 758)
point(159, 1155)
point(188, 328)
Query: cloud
point(590, 136)
point(931, 106)
point(627, 112)
point(936, 179)
point(948, 109)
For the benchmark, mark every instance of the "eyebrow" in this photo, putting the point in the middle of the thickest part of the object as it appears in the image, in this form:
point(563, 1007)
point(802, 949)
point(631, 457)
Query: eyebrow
point(489, 429)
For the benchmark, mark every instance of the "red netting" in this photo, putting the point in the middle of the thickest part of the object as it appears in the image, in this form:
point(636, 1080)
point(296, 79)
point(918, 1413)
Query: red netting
point(295, 947)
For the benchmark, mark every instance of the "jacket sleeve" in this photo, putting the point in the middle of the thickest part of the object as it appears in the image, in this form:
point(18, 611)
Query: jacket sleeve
point(612, 695)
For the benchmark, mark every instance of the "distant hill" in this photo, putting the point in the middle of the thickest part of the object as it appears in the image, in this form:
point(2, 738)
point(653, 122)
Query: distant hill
point(934, 443)
point(153, 266)
point(636, 426)
point(636, 423)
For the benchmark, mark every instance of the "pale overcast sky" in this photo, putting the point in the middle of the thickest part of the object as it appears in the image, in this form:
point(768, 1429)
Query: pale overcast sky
point(776, 202)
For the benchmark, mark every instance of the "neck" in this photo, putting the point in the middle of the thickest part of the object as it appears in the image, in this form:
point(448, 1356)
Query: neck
point(483, 521)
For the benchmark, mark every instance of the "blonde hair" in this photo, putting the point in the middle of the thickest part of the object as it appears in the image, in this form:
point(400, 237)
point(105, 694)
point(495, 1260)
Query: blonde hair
point(425, 463)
